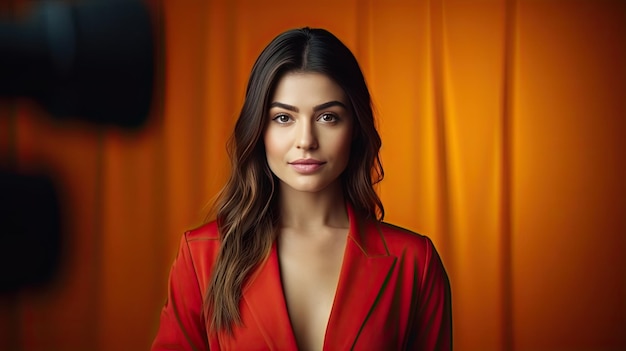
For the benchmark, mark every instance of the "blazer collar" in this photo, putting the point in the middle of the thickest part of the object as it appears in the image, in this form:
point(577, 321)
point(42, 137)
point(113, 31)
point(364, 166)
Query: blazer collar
point(366, 265)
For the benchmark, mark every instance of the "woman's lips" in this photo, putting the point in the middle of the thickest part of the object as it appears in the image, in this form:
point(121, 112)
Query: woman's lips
point(306, 166)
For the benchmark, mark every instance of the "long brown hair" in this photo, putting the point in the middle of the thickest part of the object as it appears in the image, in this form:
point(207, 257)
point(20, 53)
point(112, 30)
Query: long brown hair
point(246, 208)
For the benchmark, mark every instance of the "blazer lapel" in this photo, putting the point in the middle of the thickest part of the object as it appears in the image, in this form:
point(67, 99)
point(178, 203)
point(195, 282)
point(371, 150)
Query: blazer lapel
point(264, 298)
point(366, 265)
point(365, 268)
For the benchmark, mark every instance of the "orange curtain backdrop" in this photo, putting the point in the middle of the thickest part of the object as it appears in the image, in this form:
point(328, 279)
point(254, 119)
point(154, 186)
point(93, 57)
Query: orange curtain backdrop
point(503, 126)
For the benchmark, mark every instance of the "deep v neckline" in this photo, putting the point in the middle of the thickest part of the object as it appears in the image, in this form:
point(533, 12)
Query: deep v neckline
point(364, 268)
point(338, 256)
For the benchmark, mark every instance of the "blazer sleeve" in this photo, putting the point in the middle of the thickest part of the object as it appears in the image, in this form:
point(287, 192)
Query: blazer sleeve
point(182, 326)
point(432, 324)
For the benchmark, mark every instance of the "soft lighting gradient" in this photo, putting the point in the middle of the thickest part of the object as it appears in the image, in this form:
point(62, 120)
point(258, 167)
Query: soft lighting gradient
point(504, 130)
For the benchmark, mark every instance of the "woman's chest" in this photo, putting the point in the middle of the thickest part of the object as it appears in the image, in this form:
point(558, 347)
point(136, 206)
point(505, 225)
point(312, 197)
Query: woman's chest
point(309, 274)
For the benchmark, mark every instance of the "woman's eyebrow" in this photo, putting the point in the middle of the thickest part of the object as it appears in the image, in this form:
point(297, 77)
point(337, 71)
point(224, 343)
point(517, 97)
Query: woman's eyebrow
point(329, 104)
point(315, 108)
point(285, 106)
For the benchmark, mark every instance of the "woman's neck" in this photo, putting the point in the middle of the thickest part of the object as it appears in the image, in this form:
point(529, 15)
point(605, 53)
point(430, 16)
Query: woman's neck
point(311, 210)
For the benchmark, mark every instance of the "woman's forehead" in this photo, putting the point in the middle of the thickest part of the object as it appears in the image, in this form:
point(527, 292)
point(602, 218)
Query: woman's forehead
point(307, 89)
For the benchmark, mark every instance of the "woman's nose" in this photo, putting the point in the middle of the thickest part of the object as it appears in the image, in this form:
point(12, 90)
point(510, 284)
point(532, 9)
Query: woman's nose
point(306, 138)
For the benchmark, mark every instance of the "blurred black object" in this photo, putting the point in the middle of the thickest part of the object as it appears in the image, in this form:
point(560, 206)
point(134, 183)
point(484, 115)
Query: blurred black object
point(31, 230)
point(91, 59)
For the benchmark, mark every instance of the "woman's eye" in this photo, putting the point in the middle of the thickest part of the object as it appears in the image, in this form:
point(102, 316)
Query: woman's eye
point(282, 119)
point(328, 117)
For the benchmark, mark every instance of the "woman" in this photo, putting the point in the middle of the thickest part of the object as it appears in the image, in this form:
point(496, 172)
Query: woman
point(298, 257)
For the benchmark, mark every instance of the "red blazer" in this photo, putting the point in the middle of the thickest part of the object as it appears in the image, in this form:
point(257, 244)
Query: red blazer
point(393, 294)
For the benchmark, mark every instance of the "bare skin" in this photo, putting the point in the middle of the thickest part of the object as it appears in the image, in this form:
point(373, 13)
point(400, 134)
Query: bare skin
point(311, 244)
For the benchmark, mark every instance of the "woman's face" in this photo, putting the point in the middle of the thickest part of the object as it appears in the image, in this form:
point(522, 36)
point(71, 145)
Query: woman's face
point(308, 132)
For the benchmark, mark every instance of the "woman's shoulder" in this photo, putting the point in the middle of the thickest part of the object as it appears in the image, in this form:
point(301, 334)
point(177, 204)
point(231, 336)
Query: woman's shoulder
point(412, 249)
point(205, 232)
point(198, 251)
point(203, 243)
point(399, 238)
